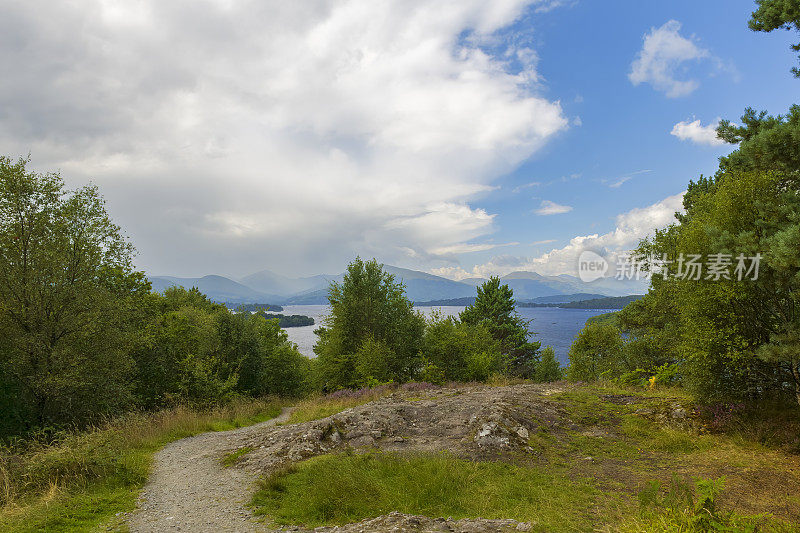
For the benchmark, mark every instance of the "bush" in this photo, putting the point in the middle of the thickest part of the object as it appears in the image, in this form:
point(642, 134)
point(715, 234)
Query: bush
point(460, 352)
point(548, 368)
point(596, 352)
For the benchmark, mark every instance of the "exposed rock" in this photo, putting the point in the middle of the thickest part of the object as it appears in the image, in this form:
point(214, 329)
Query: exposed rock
point(401, 523)
point(482, 423)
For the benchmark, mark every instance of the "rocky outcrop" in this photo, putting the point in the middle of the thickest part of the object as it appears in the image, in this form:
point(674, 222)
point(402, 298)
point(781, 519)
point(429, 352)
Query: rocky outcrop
point(477, 422)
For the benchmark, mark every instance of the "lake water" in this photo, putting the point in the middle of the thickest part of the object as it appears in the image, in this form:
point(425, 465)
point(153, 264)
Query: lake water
point(551, 325)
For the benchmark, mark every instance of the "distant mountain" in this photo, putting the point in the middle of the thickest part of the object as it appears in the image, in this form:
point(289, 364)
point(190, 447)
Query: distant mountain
point(268, 287)
point(529, 285)
point(458, 302)
point(272, 283)
point(218, 288)
point(473, 281)
point(318, 297)
point(421, 286)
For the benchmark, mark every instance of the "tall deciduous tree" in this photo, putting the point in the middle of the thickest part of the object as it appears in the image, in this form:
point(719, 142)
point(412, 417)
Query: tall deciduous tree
point(369, 309)
point(67, 297)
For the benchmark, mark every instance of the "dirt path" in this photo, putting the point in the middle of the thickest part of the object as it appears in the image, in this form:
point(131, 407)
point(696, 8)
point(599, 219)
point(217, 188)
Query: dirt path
point(190, 490)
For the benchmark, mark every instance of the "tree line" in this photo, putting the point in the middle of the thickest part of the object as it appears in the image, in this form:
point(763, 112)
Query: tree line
point(83, 336)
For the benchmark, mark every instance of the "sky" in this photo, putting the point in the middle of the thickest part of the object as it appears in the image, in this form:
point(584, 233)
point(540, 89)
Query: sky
point(463, 137)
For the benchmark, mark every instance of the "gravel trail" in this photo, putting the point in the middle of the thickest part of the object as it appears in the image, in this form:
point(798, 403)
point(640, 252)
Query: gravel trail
point(190, 490)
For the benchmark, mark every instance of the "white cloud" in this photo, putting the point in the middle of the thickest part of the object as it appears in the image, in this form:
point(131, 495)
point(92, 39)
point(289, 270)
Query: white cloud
point(466, 248)
point(526, 186)
point(618, 182)
point(229, 136)
point(630, 228)
point(551, 208)
point(697, 133)
point(664, 52)
point(545, 241)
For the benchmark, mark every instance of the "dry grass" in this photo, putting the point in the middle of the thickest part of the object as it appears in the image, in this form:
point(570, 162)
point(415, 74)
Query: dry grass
point(317, 407)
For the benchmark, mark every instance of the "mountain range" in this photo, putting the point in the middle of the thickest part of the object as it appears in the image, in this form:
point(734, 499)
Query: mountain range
point(268, 287)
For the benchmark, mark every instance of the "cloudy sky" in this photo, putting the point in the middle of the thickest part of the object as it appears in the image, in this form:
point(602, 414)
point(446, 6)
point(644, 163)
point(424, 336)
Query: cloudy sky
point(460, 137)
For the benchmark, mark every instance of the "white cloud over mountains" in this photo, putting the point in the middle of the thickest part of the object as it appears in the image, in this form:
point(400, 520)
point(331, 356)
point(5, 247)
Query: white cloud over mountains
point(663, 55)
point(697, 133)
point(233, 135)
point(630, 227)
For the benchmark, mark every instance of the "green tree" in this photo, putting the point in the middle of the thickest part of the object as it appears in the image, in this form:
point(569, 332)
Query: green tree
point(595, 353)
point(777, 14)
point(462, 352)
point(368, 306)
point(735, 338)
point(69, 298)
point(766, 143)
point(548, 368)
point(199, 351)
point(494, 307)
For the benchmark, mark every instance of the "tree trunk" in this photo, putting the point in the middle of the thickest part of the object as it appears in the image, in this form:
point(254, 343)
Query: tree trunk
point(796, 374)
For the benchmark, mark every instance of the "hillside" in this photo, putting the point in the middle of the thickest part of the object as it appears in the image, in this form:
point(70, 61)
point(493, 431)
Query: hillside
point(616, 302)
point(608, 302)
point(549, 457)
point(218, 288)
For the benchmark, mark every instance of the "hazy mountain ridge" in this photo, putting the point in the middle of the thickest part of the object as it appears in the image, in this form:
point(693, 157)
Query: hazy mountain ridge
point(268, 287)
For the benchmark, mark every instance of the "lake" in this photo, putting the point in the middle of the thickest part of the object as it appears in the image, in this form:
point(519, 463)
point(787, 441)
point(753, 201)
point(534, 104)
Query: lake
point(551, 325)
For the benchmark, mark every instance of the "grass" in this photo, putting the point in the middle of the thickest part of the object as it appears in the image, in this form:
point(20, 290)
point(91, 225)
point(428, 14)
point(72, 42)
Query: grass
point(336, 489)
point(83, 479)
point(585, 475)
point(341, 488)
point(232, 458)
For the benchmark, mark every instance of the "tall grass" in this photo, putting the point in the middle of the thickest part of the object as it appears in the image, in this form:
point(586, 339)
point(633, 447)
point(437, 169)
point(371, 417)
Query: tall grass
point(83, 477)
point(336, 489)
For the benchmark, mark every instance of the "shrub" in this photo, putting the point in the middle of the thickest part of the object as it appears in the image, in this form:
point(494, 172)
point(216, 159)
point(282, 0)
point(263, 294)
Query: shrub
point(455, 351)
point(548, 368)
point(596, 352)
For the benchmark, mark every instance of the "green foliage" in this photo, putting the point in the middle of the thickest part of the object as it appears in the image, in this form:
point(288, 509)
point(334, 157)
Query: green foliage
point(777, 14)
point(727, 339)
point(548, 368)
point(459, 351)
point(688, 507)
point(766, 143)
point(201, 352)
point(69, 302)
point(596, 352)
point(735, 338)
point(82, 336)
point(494, 308)
point(290, 321)
point(372, 327)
